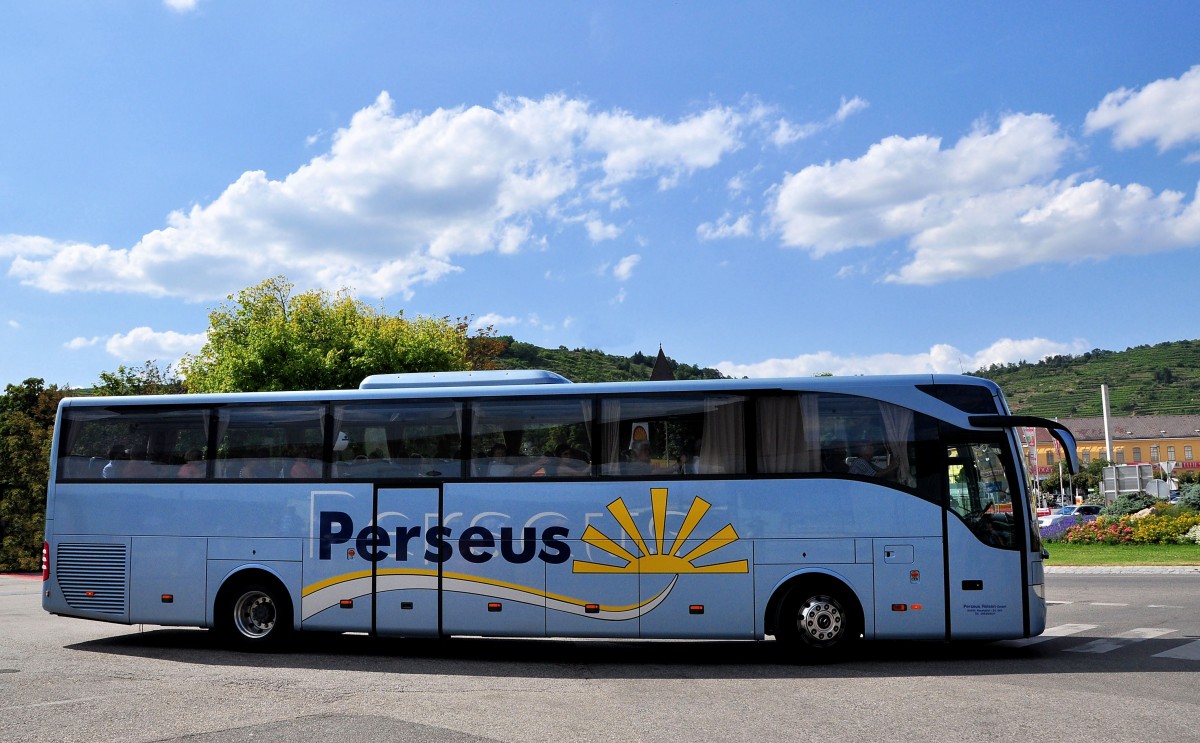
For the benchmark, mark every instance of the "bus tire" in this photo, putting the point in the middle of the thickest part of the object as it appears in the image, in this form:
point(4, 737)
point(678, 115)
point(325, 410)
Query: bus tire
point(819, 619)
point(254, 614)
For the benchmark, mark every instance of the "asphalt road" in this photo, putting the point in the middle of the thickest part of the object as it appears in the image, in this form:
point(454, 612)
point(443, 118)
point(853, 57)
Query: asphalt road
point(1119, 662)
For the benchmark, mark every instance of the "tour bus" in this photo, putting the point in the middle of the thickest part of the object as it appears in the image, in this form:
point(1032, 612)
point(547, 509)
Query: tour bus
point(518, 504)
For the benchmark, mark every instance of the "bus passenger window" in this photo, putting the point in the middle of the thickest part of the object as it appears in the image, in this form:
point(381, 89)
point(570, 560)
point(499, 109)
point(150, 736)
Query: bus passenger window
point(269, 442)
point(130, 443)
point(531, 438)
point(397, 440)
point(673, 435)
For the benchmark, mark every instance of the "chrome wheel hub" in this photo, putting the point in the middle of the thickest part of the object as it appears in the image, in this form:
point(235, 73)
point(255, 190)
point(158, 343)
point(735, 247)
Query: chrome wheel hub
point(821, 619)
point(254, 614)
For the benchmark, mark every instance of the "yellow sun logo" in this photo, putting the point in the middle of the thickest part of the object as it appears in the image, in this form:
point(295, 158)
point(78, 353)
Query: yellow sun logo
point(660, 560)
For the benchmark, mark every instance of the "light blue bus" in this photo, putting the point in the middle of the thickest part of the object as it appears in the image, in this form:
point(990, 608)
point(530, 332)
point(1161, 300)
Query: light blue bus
point(518, 504)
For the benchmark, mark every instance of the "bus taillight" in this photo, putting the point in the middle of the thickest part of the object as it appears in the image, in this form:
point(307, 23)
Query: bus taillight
point(45, 561)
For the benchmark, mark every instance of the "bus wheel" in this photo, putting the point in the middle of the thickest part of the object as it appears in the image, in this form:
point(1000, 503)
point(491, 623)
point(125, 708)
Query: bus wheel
point(818, 618)
point(254, 615)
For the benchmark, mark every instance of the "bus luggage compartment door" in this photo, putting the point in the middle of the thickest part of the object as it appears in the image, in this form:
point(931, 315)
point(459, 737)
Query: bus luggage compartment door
point(493, 576)
point(909, 594)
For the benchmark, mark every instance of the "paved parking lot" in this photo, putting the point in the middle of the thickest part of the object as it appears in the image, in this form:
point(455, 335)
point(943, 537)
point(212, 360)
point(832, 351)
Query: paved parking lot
point(1117, 656)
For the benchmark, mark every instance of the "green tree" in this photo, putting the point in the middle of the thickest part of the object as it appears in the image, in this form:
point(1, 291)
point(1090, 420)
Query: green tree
point(1085, 481)
point(26, 430)
point(139, 380)
point(268, 338)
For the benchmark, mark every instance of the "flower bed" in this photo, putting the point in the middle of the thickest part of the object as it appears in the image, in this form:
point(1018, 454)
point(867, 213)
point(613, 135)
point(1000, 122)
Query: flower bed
point(1152, 529)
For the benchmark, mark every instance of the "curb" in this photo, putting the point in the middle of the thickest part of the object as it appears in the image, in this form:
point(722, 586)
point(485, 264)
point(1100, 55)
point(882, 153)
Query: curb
point(1124, 569)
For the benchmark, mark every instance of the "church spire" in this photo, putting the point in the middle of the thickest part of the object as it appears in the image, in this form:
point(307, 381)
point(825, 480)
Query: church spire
point(662, 368)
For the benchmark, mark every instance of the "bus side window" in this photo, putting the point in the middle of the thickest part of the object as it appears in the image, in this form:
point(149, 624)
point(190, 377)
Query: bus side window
point(788, 441)
point(673, 435)
point(540, 437)
point(397, 439)
point(130, 443)
point(269, 442)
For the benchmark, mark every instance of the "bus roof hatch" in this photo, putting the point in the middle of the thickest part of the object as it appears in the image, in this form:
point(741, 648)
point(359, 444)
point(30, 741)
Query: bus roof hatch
point(489, 378)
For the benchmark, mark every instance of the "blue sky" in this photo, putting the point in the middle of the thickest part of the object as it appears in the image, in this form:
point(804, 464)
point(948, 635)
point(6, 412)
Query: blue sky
point(773, 189)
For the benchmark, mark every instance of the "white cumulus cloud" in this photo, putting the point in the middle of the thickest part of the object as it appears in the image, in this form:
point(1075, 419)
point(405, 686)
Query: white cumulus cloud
point(991, 202)
point(623, 271)
point(143, 343)
point(726, 227)
point(1166, 112)
point(598, 230)
point(395, 199)
point(939, 359)
point(785, 132)
point(494, 319)
point(80, 342)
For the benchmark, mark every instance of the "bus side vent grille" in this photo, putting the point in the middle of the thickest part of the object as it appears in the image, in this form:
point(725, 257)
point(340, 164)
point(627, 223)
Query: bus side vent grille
point(92, 576)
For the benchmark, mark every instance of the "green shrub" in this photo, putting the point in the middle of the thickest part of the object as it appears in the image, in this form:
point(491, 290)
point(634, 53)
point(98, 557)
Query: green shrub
point(1190, 496)
point(1128, 503)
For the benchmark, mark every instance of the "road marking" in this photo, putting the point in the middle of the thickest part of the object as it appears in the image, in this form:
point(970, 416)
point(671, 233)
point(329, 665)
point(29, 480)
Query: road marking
point(1058, 603)
point(1109, 644)
point(1061, 630)
point(1164, 606)
point(1190, 651)
point(1099, 603)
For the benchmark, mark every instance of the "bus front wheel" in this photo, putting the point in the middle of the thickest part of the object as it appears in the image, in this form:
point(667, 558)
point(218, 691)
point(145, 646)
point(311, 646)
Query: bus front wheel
point(254, 615)
point(818, 618)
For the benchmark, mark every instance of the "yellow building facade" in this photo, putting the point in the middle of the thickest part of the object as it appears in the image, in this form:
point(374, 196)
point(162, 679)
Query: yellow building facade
point(1150, 439)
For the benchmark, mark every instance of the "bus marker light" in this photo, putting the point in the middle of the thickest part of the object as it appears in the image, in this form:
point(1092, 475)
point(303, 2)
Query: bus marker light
point(495, 606)
point(914, 576)
point(915, 607)
point(696, 609)
point(406, 605)
point(350, 554)
point(90, 594)
point(591, 608)
point(346, 603)
point(899, 607)
point(45, 561)
point(168, 598)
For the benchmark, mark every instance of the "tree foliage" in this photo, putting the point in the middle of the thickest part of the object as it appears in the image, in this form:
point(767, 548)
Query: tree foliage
point(588, 365)
point(267, 337)
point(139, 380)
point(26, 431)
point(1084, 481)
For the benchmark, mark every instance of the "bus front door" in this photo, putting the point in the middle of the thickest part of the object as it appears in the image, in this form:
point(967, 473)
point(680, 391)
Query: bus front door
point(984, 541)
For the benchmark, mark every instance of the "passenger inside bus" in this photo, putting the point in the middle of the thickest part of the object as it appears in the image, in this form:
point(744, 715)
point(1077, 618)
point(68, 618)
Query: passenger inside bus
point(862, 462)
point(117, 458)
point(193, 465)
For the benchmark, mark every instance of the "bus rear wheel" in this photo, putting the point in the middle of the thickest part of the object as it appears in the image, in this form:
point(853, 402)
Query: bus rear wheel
point(818, 619)
point(254, 615)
